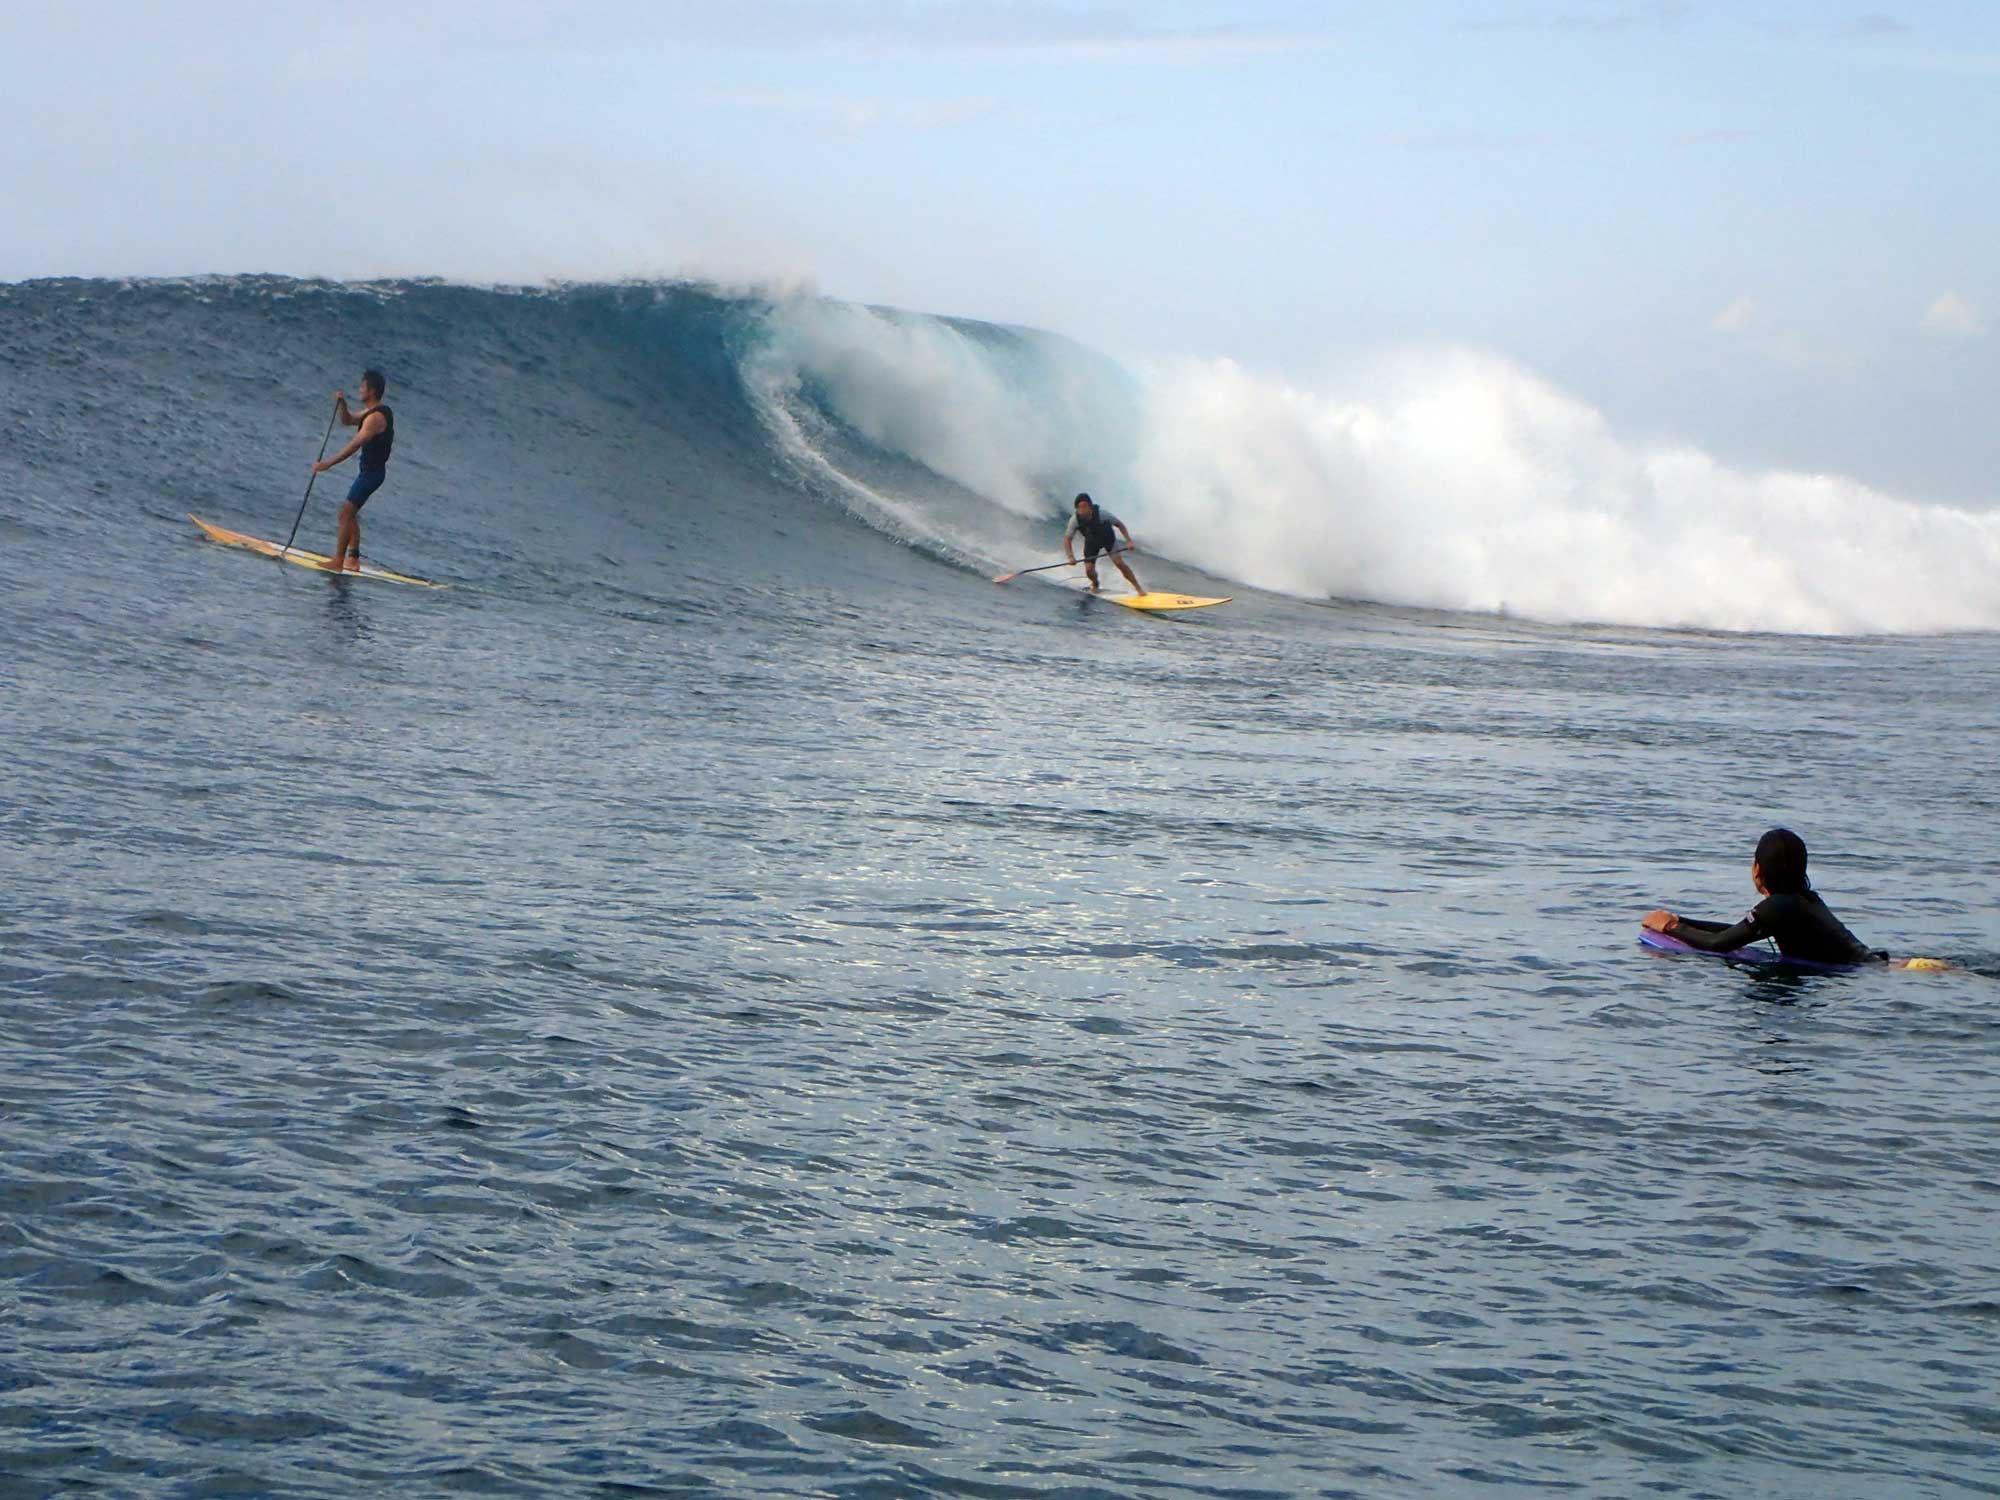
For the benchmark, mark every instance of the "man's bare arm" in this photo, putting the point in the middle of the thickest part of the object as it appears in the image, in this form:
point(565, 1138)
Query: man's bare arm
point(370, 425)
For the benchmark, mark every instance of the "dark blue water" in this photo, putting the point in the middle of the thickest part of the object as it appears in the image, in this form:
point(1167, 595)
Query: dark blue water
point(727, 1001)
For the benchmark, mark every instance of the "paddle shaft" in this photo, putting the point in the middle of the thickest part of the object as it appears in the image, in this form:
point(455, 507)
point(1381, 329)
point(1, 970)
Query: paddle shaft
point(310, 478)
point(1108, 552)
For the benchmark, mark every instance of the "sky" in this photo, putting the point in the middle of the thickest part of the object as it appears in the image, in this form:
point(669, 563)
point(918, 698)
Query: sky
point(1770, 229)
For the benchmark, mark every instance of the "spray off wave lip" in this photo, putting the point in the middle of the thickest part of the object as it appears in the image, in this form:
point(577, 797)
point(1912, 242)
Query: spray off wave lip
point(1446, 479)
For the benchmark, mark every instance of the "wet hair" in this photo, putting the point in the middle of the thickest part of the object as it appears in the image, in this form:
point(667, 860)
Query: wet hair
point(1082, 500)
point(371, 380)
point(1781, 860)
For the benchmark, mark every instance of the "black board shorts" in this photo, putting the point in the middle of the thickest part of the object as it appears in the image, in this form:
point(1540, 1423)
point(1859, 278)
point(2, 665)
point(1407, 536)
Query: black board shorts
point(366, 483)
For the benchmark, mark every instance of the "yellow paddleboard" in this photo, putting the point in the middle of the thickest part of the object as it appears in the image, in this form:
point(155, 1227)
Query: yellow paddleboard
point(304, 559)
point(1162, 601)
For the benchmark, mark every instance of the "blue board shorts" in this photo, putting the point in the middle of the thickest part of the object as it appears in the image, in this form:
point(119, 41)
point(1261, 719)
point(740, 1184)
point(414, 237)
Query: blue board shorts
point(366, 483)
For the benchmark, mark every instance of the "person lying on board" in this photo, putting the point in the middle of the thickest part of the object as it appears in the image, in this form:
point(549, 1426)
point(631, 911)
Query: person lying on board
point(1790, 915)
point(1095, 526)
point(376, 437)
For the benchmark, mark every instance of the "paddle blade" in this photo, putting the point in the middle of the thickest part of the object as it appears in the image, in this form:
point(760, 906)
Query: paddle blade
point(1005, 577)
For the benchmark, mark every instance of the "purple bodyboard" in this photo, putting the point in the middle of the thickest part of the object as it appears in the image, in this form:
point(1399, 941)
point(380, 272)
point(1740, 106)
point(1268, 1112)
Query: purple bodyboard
point(1761, 956)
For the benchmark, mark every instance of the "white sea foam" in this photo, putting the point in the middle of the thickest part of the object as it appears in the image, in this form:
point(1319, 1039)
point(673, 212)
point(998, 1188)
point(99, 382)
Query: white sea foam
point(1444, 479)
point(970, 409)
point(1461, 481)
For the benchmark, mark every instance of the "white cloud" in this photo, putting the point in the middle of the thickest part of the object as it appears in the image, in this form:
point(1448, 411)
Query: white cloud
point(860, 112)
point(1593, 16)
point(1189, 48)
point(1736, 317)
point(1952, 316)
point(447, 31)
point(1765, 334)
point(1878, 24)
point(1466, 140)
point(1043, 31)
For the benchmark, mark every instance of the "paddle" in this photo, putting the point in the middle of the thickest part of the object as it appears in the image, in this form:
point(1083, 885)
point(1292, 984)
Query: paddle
point(311, 477)
point(1010, 577)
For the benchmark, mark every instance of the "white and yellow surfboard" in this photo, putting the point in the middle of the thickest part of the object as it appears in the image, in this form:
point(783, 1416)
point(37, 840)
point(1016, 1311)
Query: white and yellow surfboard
point(304, 559)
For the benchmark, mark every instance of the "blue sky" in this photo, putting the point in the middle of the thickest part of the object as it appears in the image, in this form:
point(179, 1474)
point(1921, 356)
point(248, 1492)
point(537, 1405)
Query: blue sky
point(1768, 229)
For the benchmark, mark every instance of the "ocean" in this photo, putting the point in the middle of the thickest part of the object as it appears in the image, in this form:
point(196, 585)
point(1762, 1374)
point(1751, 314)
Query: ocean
point(726, 1000)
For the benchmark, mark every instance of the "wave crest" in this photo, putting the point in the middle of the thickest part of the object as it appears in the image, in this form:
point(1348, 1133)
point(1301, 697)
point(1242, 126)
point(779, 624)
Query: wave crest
point(1445, 479)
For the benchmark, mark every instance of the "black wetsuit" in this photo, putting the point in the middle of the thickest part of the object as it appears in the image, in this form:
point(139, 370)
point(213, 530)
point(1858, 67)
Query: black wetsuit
point(1798, 922)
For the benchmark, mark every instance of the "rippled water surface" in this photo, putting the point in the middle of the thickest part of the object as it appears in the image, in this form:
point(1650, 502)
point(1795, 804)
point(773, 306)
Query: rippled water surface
point(721, 1002)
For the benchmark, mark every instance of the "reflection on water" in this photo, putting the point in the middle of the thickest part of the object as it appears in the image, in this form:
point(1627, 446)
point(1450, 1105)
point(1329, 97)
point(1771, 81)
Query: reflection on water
point(346, 610)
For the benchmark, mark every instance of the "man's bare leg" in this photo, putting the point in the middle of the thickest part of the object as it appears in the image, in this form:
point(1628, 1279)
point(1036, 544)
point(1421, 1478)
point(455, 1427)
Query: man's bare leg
point(347, 536)
point(1130, 577)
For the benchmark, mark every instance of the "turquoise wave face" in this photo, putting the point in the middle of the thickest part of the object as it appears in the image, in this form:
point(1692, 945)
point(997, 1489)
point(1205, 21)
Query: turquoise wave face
point(669, 440)
point(666, 437)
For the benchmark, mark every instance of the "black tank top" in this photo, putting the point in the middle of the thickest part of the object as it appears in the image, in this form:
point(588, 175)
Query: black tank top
point(375, 452)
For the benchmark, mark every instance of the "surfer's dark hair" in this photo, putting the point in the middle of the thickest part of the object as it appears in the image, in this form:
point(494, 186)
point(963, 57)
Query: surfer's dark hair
point(1781, 860)
point(1081, 500)
point(371, 380)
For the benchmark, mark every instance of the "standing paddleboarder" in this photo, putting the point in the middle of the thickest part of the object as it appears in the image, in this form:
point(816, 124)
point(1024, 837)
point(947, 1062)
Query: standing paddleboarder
point(1095, 525)
point(376, 437)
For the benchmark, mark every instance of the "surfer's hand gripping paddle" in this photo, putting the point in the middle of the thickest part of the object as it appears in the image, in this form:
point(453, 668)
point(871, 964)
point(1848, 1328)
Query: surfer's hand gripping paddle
point(1018, 572)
